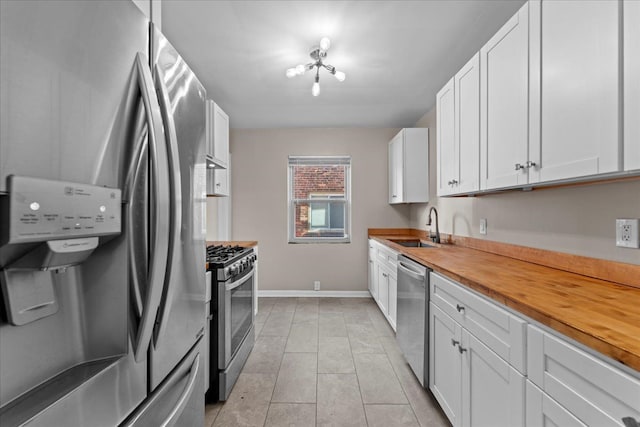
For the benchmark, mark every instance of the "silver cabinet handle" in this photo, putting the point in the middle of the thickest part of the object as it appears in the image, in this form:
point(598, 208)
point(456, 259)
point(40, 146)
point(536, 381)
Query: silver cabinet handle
point(454, 182)
point(175, 189)
point(454, 342)
point(460, 308)
point(461, 349)
point(159, 207)
point(530, 164)
point(519, 166)
point(384, 275)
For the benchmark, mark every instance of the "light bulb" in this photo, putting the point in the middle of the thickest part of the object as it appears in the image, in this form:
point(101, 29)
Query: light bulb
point(340, 76)
point(292, 72)
point(315, 89)
point(300, 69)
point(325, 43)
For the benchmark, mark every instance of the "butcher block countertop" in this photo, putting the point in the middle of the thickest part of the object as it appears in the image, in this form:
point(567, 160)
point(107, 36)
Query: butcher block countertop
point(243, 243)
point(601, 314)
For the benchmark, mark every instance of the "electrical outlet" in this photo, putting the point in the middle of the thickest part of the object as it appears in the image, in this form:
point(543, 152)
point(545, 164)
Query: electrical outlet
point(483, 226)
point(316, 285)
point(627, 233)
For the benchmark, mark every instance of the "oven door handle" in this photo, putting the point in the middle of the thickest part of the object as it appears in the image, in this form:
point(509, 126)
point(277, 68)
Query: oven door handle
point(233, 285)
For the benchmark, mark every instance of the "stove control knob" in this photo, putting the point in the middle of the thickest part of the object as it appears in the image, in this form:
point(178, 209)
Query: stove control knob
point(233, 270)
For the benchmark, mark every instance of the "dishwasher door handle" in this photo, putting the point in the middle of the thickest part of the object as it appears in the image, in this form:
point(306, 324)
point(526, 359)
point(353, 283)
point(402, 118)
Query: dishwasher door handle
point(409, 272)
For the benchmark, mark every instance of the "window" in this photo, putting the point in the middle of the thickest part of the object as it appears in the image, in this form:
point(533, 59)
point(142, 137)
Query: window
point(319, 199)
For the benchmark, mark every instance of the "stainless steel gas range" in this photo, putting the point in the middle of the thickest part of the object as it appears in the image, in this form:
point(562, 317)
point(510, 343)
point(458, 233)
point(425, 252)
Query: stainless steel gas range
point(231, 321)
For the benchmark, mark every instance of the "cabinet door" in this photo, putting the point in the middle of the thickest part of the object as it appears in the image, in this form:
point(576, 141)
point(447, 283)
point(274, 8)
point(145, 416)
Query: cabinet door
point(221, 182)
point(396, 190)
point(220, 134)
point(211, 107)
point(575, 55)
point(631, 57)
point(504, 64)
point(373, 288)
point(467, 127)
point(492, 391)
point(383, 289)
point(445, 119)
point(444, 363)
point(393, 300)
point(543, 411)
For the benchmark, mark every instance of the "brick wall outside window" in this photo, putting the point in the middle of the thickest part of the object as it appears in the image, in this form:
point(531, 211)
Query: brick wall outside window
point(310, 180)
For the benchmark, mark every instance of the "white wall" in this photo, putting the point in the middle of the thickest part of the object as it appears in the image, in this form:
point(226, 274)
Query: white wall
point(259, 204)
point(578, 220)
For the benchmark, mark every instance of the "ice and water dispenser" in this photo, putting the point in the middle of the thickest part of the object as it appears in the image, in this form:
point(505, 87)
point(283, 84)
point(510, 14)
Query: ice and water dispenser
point(64, 280)
point(51, 226)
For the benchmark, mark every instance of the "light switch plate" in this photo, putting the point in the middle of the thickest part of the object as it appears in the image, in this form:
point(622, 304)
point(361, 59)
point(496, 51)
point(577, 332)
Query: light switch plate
point(483, 226)
point(627, 233)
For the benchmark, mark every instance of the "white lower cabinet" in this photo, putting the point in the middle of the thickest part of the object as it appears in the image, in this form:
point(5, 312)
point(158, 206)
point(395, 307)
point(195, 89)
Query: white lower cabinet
point(383, 289)
point(372, 272)
point(590, 389)
point(383, 282)
point(492, 390)
point(445, 369)
point(474, 386)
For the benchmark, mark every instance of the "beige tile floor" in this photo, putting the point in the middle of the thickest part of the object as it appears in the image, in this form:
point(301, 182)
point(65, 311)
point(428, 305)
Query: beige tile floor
point(325, 362)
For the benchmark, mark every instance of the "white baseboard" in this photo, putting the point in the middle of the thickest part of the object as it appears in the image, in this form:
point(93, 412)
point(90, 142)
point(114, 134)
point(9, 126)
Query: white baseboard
point(315, 294)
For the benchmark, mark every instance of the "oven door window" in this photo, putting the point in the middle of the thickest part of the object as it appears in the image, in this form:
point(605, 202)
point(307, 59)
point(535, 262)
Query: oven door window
point(241, 308)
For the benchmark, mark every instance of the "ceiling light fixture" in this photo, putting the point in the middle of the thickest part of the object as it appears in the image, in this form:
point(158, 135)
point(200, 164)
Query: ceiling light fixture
point(318, 53)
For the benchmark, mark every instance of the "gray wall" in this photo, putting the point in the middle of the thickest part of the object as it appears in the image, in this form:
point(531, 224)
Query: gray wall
point(578, 220)
point(259, 204)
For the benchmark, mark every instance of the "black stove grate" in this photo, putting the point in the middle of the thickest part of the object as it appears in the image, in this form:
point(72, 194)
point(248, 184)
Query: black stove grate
point(220, 254)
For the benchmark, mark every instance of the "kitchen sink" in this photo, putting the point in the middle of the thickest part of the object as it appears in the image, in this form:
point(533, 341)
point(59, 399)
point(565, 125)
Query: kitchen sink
point(415, 244)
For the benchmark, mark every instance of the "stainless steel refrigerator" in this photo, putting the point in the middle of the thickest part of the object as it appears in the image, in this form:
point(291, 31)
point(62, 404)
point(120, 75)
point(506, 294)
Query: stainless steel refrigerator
point(102, 234)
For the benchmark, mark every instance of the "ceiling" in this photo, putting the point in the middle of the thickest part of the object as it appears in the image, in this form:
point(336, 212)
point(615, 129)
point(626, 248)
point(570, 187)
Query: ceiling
point(396, 54)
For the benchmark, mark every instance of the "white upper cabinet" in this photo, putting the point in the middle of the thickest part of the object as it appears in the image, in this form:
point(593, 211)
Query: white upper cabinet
point(445, 122)
point(409, 166)
point(217, 150)
point(467, 127)
point(631, 43)
point(396, 169)
point(504, 82)
point(574, 89)
point(220, 134)
point(458, 120)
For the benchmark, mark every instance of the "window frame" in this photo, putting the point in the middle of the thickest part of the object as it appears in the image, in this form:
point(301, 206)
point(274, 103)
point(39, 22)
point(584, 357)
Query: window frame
point(293, 202)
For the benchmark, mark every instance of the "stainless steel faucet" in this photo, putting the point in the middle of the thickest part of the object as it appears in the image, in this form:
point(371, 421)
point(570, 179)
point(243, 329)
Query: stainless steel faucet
point(435, 238)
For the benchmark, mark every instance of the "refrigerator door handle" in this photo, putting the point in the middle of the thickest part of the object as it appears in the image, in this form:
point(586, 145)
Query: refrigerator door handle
point(130, 184)
point(158, 207)
point(175, 180)
point(186, 393)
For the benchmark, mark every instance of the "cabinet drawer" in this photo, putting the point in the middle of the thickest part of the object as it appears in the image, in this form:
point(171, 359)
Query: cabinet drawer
point(389, 258)
point(496, 328)
point(594, 391)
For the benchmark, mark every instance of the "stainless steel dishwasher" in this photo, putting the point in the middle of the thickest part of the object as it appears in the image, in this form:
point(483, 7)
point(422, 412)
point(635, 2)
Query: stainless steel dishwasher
point(413, 314)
